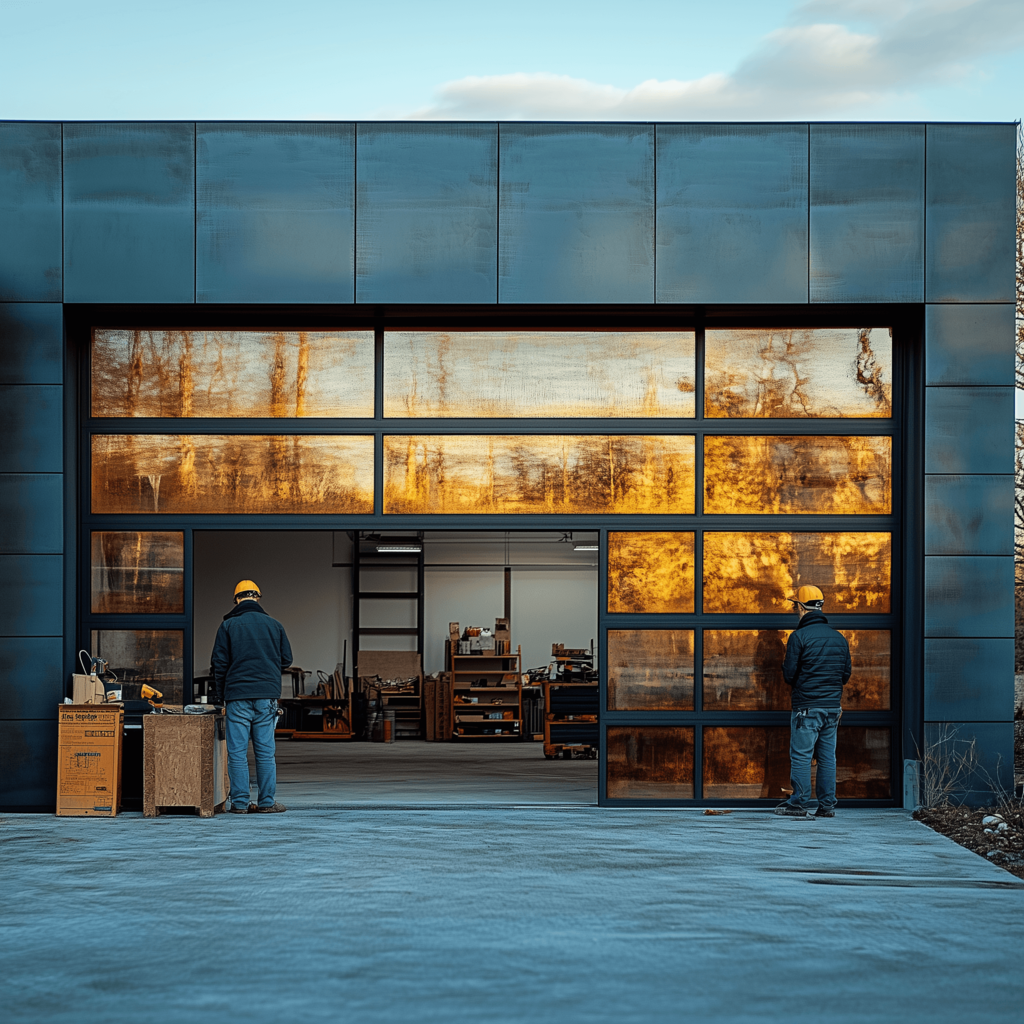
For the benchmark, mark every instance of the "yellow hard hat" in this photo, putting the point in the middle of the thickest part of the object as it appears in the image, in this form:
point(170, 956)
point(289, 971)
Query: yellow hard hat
point(247, 587)
point(808, 595)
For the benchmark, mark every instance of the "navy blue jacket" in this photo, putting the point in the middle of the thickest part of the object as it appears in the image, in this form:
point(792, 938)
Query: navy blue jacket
point(249, 655)
point(817, 663)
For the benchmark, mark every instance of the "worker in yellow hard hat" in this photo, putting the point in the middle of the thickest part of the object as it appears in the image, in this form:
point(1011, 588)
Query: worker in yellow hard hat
point(817, 667)
point(249, 655)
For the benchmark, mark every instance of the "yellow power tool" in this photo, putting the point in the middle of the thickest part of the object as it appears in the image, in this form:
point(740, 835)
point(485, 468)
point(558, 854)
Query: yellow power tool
point(155, 697)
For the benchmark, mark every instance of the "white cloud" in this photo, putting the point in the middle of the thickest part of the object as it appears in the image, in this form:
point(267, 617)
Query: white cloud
point(834, 57)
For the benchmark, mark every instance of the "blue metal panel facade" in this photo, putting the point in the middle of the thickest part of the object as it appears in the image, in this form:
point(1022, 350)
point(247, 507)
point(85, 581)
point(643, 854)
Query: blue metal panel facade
point(965, 678)
point(991, 742)
point(32, 511)
point(969, 344)
point(867, 213)
point(30, 763)
point(968, 596)
point(426, 213)
point(32, 683)
point(732, 213)
point(275, 213)
point(968, 515)
point(32, 425)
point(577, 213)
point(32, 595)
point(31, 343)
point(30, 212)
point(968, 430)
point(970, 212)
point(129, 213)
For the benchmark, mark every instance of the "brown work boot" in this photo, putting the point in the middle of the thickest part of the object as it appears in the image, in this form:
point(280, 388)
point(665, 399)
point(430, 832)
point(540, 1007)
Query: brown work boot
point(242, 810)
point(275, 809)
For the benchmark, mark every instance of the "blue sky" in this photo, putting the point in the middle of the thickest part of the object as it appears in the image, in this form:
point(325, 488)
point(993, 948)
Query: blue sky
point(536, 59)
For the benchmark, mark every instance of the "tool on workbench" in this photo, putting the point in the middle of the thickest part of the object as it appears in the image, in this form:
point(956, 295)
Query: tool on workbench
point(154, 696)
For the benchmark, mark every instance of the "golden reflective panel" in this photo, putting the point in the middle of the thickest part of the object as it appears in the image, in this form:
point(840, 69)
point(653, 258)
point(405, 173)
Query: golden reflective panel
point(792, 475)
point(575, 474)
point(757, 572)
point(650, 573)
point(764, 372)
point(138, 657)
point(137, 571)
point(649, 762)
point(743, 670)
point(749, 763)
point(232, 473)
point(232, 373)
point(436, 374)
point(650, 670)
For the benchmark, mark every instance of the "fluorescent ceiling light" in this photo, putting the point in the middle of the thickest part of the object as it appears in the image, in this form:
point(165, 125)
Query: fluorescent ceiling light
point(399, 549)
point(588, 545)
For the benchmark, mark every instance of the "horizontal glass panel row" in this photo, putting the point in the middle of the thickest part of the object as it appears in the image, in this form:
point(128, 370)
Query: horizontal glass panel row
point(654, 762)
point(138, 657)
point(743, 573)
point(832, 372)
point(654, 670)
point(491, 474)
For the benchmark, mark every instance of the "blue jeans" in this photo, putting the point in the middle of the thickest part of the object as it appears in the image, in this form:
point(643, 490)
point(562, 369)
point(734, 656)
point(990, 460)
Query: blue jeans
point(812, 733)
point(255, 719)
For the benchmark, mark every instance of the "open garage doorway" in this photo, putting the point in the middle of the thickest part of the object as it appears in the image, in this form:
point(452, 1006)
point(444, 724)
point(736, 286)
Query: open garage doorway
point(367, 613)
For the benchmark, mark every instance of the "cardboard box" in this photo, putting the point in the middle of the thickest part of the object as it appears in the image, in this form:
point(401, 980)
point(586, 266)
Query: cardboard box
point(89, 759)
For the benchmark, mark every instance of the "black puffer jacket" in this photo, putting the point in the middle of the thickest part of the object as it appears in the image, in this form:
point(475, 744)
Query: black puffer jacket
point(249, 655)
point(817, 663)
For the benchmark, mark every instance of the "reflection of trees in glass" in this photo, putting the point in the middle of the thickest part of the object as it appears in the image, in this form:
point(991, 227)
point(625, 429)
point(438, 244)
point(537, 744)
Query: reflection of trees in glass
point(538, 373)
point(538, 474)
point(217, 473)
point(742, 762)
point(650, 572)
point(835, 475)
point(649, 762)
point(757, 572)
point(650, 669)
point(137, 571)
point(769, 373)
point(232, 373)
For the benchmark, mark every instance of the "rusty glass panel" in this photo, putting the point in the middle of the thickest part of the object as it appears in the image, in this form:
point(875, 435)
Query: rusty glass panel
point(743, 670)
point(231, 473)
point(436, 374)
point(138, 571)
point(650, 762)
point(491, 474)
point(650, 670)
point(232, 373)
point(650, 572)
point(840, 372)
point(757, 572)
point(791, 475)
point(863, 763)
point(143, 656)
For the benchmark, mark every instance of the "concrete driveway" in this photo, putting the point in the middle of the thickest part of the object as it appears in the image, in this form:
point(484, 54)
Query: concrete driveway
point(503, 914)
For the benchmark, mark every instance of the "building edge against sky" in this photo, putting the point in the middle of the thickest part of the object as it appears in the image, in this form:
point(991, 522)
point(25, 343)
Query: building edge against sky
point(524, 226)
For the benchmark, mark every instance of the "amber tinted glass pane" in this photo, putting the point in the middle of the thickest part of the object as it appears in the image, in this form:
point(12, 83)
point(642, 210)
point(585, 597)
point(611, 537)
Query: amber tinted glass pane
point(232, 373)
point(137, 656)
point(650, 572)
point(231, 473)
point(650, 670)
point(743, 763)
point(138, 571)
point(808, 373)
point(650, 762)
point(559, 474)
point(863, 763)
point(822, 475)
point(757, 572)
point(743, 670)
point(538, 373)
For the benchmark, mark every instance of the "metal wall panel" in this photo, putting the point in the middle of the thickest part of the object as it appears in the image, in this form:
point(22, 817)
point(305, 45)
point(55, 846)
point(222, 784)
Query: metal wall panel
point(731, 213)
point(31, 343)
point(968, 515)
point(969, 596)
point(32, 683)
point(867, 213)
point(32, 513)
point(129, 213)
point(426, 212)
point(993, 744)
point(970, 212)
point(967, 344)
point(968, 430)
point(30, 212)
point(32, 428)
point(577, 213)
point(968, 680)
point(28, 752)
point(275, 212)
point(31, 595)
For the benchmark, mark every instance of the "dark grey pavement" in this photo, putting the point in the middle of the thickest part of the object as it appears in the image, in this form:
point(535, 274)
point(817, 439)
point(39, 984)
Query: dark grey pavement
point(503, 914)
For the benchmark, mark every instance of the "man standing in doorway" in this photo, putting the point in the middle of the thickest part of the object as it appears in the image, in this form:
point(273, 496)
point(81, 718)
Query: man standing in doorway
point(817, 667)
point(249, 655)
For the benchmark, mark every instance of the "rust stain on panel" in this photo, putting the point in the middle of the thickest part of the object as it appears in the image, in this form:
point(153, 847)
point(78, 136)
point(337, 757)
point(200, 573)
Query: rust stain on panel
point(650, 762)
point(651, 572)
